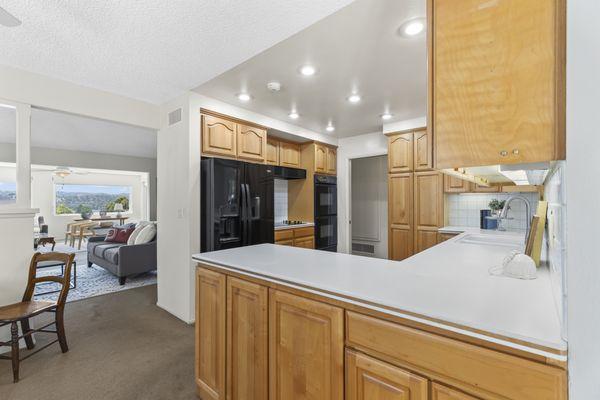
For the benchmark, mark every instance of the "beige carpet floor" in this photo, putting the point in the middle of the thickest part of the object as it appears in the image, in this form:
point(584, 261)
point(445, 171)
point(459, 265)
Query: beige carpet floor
point(121, 346)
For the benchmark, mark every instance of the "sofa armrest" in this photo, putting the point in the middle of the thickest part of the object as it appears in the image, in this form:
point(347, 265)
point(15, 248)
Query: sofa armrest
point(137, 258)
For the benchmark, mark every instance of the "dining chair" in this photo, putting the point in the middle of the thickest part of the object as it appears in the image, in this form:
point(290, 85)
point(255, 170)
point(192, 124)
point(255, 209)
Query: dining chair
point(21, 312)
point(86, 230)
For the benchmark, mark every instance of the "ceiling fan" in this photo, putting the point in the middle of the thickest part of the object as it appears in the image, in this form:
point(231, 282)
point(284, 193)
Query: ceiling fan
point(7, 19)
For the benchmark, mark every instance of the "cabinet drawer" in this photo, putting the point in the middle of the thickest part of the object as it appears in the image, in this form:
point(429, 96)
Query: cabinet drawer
point(303, 232)
point(284, 234)
point(463, 365)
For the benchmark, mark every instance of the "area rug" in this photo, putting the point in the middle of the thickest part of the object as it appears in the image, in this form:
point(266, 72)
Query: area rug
point(91, 281)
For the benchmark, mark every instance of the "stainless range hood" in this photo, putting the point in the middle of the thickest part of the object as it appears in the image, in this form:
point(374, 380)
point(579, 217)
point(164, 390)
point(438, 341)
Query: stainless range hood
point(288, 173)
point(519, 174)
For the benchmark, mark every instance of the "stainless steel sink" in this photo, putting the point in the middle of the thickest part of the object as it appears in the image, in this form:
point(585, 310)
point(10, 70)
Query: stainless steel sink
point(510, 241)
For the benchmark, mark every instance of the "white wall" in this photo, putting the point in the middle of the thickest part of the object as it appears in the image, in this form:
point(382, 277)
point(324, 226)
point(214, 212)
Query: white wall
point(583, 192)
point(367, 145)
point(369, 205)
point(404, 125)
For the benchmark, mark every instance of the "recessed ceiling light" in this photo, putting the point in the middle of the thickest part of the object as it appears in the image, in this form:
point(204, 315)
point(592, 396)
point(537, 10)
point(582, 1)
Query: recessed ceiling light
point(294, 115)
point(308, 70)
point(244, 97)
point(330, 128)
point(412, 28)
point(354, 98)
point(386, 116)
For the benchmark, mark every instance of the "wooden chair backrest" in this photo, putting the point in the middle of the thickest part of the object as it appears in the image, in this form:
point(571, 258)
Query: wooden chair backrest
point(32, 280)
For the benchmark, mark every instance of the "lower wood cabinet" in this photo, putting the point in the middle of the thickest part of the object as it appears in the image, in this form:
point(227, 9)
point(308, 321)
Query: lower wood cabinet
point(210, 334)
point(441, 392)
point(247, 340)
point(370, 379)
point(297, 237)
point(306, 349)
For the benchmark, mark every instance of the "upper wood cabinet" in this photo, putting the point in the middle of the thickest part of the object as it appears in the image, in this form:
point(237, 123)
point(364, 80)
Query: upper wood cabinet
point(289, 154)
point(252, 143)
point(210, 334)
point(453, 184)
point(272, 151)
point(423, 151)
point(496, 98)
point(306, 349)
point(331, 161)
point(247, 340)
point(400, 152)
point(429, 208)
point(219, 136)
point(371, 379)
point(475, 188)
point(320, 158)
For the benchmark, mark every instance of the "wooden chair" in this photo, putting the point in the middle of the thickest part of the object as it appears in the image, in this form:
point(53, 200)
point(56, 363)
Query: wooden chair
point(71, 232)
point(86, 230)
point(28, 308)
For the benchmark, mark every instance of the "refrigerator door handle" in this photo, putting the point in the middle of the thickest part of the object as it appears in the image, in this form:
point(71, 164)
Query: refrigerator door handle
point(243, 213)
point(248, 215)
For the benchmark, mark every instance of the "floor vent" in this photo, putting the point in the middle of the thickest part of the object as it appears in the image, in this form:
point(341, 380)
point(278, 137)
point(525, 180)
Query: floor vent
point(174, 117)
point(363, 248)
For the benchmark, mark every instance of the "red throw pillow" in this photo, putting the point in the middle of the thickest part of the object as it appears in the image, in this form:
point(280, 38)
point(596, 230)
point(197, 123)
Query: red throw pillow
point(119, 235)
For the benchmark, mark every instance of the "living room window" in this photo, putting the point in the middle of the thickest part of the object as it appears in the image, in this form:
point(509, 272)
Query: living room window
point(8, 192)
point(88, 198)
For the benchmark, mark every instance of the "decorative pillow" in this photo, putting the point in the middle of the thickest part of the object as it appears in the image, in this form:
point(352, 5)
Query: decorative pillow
point(146, 235)
point(141, 225)
point(119, 235)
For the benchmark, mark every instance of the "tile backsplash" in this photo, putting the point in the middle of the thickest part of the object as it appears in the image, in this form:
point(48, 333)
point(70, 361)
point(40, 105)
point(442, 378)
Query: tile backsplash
point(281, 200)
point(463, 209)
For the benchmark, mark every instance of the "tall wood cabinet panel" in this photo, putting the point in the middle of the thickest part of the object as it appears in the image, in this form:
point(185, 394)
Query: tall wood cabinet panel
point(423, 151)
point(219, 136)
point(441, 392)
point(331, 161)
point(371, 379)
point(320, 158)
point(400, 216)
point(496, 98)
point(306, 349)
point(210, 334)
point(251, 143)
point(289, 154)
point(272, 151)
point(429, 208)
point(247, 340)
point(400, 152)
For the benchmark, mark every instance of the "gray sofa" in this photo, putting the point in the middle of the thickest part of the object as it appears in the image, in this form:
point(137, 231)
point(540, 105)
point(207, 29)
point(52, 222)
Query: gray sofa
point(121, 259)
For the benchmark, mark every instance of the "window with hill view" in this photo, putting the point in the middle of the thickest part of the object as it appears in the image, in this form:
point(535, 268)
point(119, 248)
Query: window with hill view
point(8, 192)
point(77, 199)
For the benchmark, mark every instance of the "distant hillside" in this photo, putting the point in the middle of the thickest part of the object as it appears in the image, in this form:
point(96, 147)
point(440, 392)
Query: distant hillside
point(95, 201)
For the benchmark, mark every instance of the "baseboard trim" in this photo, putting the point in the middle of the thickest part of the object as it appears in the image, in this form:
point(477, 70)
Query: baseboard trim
point(189, 322)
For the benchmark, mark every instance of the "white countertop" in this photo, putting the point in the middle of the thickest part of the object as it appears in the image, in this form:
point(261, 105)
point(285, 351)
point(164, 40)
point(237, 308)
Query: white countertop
point(304, 225)
point(448, 283)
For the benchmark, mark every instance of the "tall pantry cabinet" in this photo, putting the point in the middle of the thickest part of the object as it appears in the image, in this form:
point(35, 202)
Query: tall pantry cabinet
point(415, 194)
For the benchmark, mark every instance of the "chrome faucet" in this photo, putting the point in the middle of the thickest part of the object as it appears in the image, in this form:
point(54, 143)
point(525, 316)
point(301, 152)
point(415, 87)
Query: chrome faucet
point(504, 212)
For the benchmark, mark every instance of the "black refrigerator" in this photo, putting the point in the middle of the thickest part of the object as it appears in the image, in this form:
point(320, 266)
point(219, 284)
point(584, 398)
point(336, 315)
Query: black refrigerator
point(237, 204)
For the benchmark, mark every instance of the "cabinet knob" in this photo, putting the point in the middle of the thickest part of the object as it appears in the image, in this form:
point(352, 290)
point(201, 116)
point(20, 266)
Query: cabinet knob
point(515, 151)
point(503, 153)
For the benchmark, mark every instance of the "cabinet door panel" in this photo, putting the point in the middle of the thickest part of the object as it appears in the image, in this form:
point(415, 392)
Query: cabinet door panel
point(252, 143)
point(306, 349)
point(453, 184)
point(289, 154)
point(429, 208)
point(272, 151)
point(331, 161)
point(210, 334)
point(400, 216)
point(320, 158)
point(371, 379)
point(219, 136)
point(400, 244)
point(423, 151)
point(285, 242)
point(400, 152)
point(475, 188)
point(493, 91)
point(425, 240)
point(441, 392)
point(305, 242)
point(247, 351)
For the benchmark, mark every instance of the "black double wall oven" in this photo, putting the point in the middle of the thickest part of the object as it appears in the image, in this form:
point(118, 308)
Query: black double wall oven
point(326, 212)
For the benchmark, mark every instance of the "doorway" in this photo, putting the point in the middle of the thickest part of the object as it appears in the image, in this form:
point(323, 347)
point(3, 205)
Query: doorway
point(368, 206)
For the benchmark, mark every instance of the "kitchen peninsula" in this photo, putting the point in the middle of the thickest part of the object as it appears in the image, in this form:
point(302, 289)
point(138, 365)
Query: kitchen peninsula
point(294, 322)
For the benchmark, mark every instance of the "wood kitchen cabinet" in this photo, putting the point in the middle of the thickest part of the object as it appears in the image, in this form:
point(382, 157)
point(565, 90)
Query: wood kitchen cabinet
point(442, 237)
point(251, 143)
point(475, 188)
point(331, 161)
point(297, 237)
point(370, 379)
point(400, 152)
point(210, 334)
point(400, 216)
point(320, 159)
point(441, 392)
point(219, 136)
point(247, 340)
point(429, 208)
point(452, 184)
point(272, 151)
point(289, 154)
point(306, 349)
point(423, 150)
point(494, 97)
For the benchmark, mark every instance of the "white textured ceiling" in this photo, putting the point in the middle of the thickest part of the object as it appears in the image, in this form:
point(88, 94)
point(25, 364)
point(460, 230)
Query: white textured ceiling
point(55, 130)
point(356, 48)
point(151, 50)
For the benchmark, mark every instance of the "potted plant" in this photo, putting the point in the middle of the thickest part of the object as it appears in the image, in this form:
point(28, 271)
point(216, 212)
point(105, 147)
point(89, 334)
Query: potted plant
point(496, 206)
